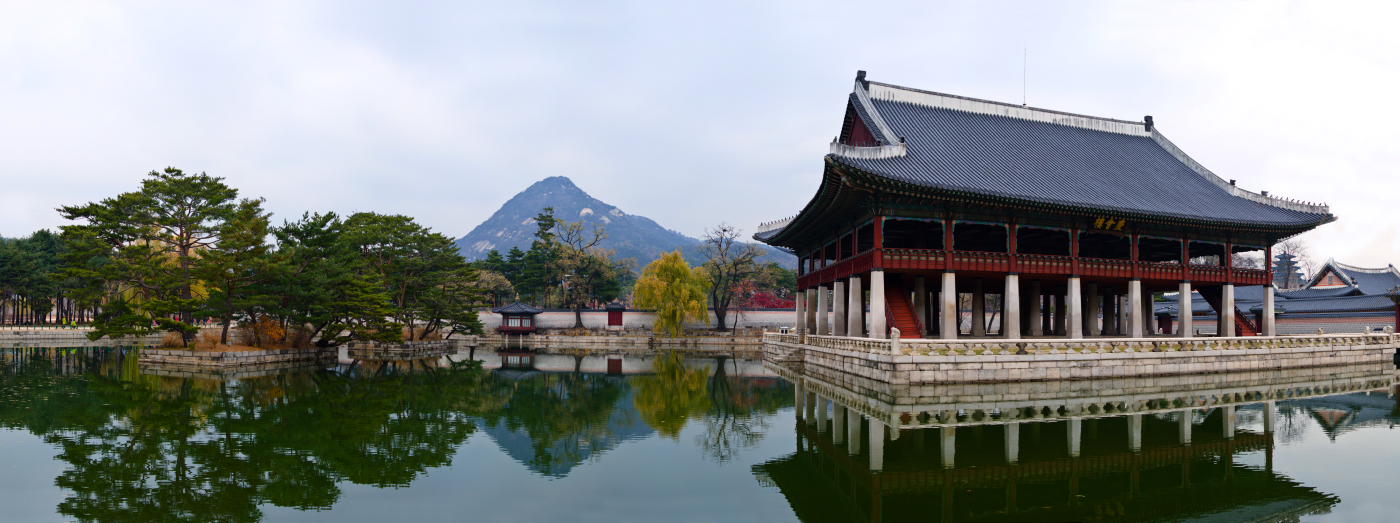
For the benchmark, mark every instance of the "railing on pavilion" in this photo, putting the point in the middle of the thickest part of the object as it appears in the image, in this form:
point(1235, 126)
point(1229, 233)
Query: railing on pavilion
point(990, 346)
point(1032, 264)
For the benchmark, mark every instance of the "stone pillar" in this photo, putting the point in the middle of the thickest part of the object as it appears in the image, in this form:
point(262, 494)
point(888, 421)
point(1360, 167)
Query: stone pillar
point(1013, 442)
point(1011, 308)
point(852, 432)
point(1037, 311)
point(1072, 431)
point(838, 308)
point(811, 404)
point(1110, 314)
point(838, 424)
point(948, 307)
point(1060, 315)
point(1135, 432)
point(1269, 328)
point(878, 329)
point(946, 445)
point(1270, 417)
point(1183, 310)
point(1184, 427)
point(1149, 321)
point(979, 309)
point(799, 324)
point(877, 445)
point(799, 399)
point(821, 414)
point(855, 310)
point(1227, 310)
point(811, 311)
point(921, 302)
point(1136, 322)
point(1092, 315)
point(823, 311)
point(1227, 421)
point(1074, 319)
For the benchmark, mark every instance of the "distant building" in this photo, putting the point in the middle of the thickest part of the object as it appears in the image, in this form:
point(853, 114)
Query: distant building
point(517, 318)
point(1288, 275)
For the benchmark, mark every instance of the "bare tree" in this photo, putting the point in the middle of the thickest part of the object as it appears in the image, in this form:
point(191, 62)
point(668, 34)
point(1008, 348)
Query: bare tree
point(729, 263)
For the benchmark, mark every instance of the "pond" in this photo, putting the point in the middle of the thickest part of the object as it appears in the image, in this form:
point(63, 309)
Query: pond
point(87, 434)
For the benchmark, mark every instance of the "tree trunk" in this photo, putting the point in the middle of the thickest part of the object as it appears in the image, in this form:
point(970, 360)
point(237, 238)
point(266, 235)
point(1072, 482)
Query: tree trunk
point(578, 316)
point(721, 313)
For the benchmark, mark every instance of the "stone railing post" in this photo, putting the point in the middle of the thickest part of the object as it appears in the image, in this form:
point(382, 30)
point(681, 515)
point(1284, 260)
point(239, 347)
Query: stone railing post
point(894, 340)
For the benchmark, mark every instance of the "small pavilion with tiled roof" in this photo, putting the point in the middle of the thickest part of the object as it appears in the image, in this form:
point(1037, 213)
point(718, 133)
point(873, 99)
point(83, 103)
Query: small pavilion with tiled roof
point(517, 318)
point(1074, 221)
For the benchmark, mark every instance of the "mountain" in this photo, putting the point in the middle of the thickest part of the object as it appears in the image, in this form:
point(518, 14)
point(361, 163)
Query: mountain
point(629, 235)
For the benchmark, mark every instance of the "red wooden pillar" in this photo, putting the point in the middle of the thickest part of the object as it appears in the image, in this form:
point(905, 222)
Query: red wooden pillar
point(1012, 264)
point(1134, 255)
point(1185, 259)
point(879, 242)
point(1269, 264)
point(1230, 262)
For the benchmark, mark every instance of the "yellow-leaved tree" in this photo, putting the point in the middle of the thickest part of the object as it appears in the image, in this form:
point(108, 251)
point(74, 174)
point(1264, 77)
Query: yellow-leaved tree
point(676, 291)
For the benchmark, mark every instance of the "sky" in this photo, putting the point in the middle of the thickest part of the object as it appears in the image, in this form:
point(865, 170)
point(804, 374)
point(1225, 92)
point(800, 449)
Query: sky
point(688, 113)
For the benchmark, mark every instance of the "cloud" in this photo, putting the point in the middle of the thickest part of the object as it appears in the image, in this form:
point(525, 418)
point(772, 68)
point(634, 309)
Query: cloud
point(689, 114)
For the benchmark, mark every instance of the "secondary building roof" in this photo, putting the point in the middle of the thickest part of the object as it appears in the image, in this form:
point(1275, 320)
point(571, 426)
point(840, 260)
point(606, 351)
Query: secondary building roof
point(1369, 281)
point(517, 308)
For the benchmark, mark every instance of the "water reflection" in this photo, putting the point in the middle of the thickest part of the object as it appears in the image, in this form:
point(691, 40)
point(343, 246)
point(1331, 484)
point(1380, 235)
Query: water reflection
point(1181, 448)
point(142, 446)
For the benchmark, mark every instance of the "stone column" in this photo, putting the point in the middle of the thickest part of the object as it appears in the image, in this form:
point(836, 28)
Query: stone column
point(1092, 315)
point(1149, 314)
point(877, 445)
point(799, 399)
point(811, 311)
point(852, 432)
point(799, 324)
point(1184, 427)
point(1037, 310)
point(1183, 310)
point(921, 302)
point(838, 424)
point(948, 307)
point(1135, 432)
point(1270, 417)
point(1135, 320)
point(1269, 328)
point(1227, 310)
point(1074, 319)
point(823, 311)
point(811, 404)
point(821, 414)
point(1110, 313)
point(1060, 315)
point(1013, 442)
point(1072, 432)
point(1011, 308)
point(979, 309)
point(946, 445)
point(1227, 421)
point(855, 310)
point(878, 329)
point(838, 308)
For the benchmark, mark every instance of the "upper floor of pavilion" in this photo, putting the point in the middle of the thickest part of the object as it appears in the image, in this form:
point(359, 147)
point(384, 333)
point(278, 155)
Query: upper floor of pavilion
point(910, 153)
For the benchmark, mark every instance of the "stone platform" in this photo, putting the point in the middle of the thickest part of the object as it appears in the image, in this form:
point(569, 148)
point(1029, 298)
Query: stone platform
point(987, 360)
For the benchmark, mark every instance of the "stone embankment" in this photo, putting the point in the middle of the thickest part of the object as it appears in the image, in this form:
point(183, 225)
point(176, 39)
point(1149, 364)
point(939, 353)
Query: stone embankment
point(937, 361)
point(408, 350)
point(19, 337)
point(246, 361)
point(647, 344)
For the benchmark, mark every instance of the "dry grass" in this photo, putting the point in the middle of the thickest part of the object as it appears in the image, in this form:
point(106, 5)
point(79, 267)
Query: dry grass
point(413, 333)
point(172, 340)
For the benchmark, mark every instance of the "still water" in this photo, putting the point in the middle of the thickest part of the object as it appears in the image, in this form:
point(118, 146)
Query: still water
point(89, 435)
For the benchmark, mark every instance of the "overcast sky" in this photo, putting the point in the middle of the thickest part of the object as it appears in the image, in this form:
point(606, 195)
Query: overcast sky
point(688, 115)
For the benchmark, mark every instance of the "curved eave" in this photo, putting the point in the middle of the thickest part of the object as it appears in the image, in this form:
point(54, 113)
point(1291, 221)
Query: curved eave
point(831, 187)
point(885, 183)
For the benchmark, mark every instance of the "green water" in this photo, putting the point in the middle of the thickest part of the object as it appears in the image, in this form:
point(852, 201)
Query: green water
point(87, 435)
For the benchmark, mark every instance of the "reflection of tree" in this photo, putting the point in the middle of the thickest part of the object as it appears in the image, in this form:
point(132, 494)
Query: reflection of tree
point(146, 448)
point(672, 395)
point(739, 412)
point(560, 412)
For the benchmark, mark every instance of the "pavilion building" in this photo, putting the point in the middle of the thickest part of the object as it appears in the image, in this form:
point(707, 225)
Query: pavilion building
point(1043, 223)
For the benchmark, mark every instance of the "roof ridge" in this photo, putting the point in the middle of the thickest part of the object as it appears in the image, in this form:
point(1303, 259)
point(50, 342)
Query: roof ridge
point(1367, 270)
point(910, 95)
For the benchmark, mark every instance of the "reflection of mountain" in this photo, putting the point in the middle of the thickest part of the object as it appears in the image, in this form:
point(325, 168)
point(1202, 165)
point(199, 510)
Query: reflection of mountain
point(562, 454)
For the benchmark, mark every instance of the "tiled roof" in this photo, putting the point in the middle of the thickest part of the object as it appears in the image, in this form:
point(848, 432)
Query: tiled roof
point(1337, 304)
point(1025, 154)
point(1370, 281)
point(1328, 292)
point(517, 308)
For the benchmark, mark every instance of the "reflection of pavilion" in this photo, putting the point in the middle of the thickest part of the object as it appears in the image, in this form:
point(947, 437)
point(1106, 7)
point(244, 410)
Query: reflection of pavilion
point(1102, 449)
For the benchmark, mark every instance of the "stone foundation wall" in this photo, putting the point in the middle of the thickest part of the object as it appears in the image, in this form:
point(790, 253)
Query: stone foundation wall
point(550, 342)
point(67, 338)
point(245, 360)
point(928, 369)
